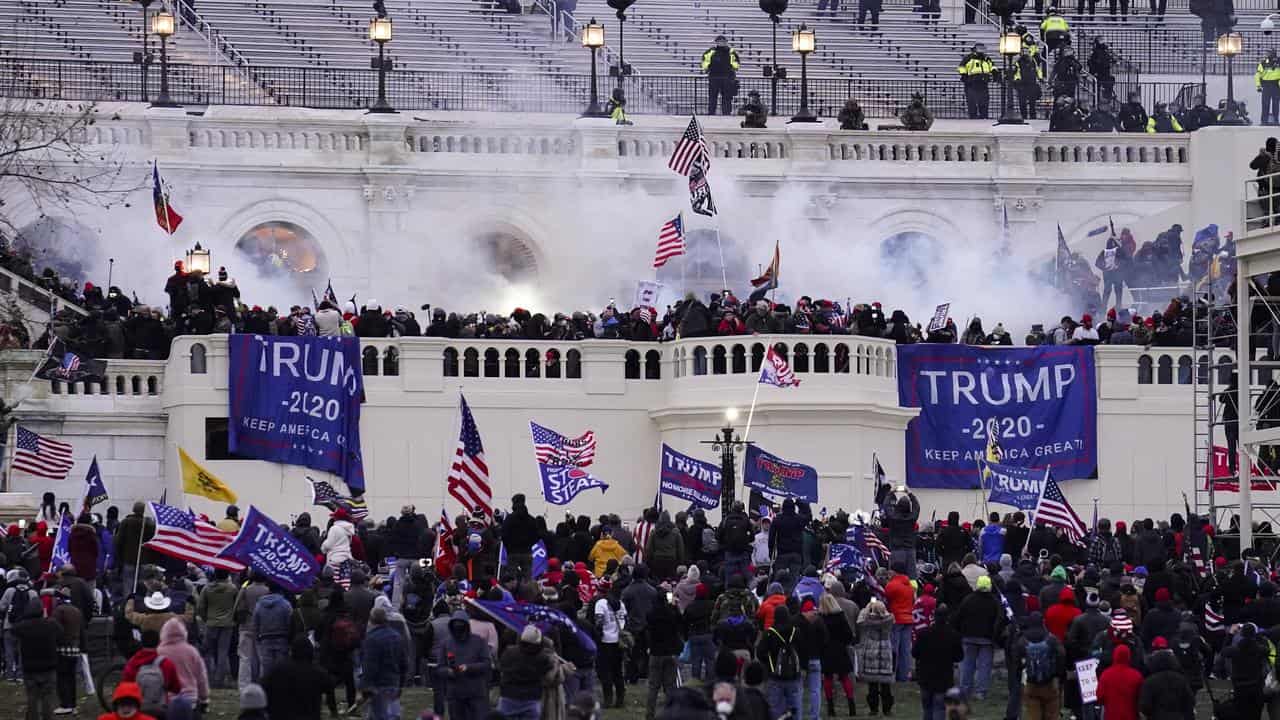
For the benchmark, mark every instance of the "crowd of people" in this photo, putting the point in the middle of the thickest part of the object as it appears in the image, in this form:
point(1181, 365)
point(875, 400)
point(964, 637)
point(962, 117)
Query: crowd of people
point(751, 618)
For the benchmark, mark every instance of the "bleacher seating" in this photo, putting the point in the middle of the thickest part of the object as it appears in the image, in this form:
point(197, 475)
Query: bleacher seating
point(316, 51)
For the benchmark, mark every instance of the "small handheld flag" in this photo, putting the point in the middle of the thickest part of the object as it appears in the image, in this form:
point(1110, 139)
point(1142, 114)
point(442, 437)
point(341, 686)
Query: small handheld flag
point(770, 276)
point(700, 190)
point(690, 150)
point(95, 491)
point(776, 371)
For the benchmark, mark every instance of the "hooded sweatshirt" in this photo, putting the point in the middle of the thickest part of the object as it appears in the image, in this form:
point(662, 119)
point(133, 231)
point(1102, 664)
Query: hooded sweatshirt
point(605, 549)
point(186, 660)
point(337, 543)
point(1119, 686)
point(1057, 619)
point(462, 647)
point(686, 590)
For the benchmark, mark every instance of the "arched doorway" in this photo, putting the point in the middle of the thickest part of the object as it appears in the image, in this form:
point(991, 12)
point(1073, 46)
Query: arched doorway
point(508, 256)
point(911, 255)
point(283, 249)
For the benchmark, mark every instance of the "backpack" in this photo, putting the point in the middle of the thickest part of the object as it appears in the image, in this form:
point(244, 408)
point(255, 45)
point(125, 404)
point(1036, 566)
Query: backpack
point(343, 635)
point(18, 605)
point(150, 681)
point(1041, 663)
point(788, 667)
point(710, 544)
point(737, 535)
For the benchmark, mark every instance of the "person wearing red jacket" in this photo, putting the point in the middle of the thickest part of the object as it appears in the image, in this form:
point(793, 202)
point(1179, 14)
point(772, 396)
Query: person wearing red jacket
point(148, 655)
point(1119, 687)
point(900, 597)
point(1059, 615)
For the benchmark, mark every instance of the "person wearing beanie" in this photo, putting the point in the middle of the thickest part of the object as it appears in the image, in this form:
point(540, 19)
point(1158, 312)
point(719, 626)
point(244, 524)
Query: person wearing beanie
point(135, 529)
point(384, 668)
point(697, 624)
point(1249, 658)
point(519, 534)
point(1119, 686)
point(978, 621)
point(1086, 626)
point(1042, 660)
point(1161, 620)
point(126, 704)
point(875, 655)
point(936, 652)
point(521, 669)
point(253, 703)
point(774, 598)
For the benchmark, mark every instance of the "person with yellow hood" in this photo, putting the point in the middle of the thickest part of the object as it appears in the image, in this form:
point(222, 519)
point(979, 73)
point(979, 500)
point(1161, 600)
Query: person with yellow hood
point(605, 549)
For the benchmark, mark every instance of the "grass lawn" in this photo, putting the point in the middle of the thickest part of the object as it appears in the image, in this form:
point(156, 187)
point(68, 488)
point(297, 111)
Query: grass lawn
point(225, 703)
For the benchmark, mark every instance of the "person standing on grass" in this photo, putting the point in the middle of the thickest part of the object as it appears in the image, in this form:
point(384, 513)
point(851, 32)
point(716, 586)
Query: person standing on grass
point(295, 687)
point(936, 651)
point(384, 668)
point(71, 626)
point(216, 611)
point(522, 668)
point(779, 653)
point(38, 644)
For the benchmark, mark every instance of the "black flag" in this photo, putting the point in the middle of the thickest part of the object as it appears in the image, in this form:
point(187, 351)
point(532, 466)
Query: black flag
point(71, 367)
point(700, 190)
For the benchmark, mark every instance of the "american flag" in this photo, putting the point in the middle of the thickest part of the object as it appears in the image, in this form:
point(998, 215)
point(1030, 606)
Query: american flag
point(38, 455)
point(180, 535)
point(670, 241)
point(692, 147)
point(845, 555)
point(342, 575)
point(1055, 511)
point(469, 477)
point(1121, 623)
point(866, 540)
point(1213, 619)
point(644, 528)
point(552, 448)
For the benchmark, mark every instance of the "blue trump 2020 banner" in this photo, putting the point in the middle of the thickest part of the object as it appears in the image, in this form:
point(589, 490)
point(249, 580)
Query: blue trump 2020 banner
point(1041, 404)
point(296, 400)
point(778, 478)
point(1019, 487)
point(271, 550)
point(689, 479)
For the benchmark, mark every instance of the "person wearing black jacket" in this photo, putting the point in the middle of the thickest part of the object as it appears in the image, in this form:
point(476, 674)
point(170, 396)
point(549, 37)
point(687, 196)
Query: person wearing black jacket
point(697, 628)
point(1042, 538)
point(899, 513)
point(305, 533)
point(294, 687)
point(38, 645)
point(953, 543)
point(1248, 658)
point(936, 652)
point(665, 643)
point(978, 620)
point(786, 538)
point(519, 535)
point(735, 537)
point(522, 667)
point(1132, 116)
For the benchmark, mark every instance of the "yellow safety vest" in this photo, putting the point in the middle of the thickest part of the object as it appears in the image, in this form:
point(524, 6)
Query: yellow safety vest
point(975, 65)
point(1017, 71)
point(1266, 71)
point(1054, 22)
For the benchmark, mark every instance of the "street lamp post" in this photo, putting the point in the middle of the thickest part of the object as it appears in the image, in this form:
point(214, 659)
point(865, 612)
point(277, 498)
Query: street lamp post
point(774, 8)
point(199, 258)
point(622, 69)
point(143, 59)
point(1010, 48)
point(803, 42)
point(163, 25)
point(380, 31)
point(593, 39)
point(1229, 45)
point(729, 446)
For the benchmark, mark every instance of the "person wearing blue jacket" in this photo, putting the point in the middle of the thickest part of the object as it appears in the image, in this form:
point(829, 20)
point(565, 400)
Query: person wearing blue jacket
point(383, 652)
point(991, 541)
point(272, 624)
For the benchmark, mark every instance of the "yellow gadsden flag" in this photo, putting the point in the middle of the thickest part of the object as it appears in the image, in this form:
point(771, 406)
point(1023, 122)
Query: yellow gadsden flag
point(198, 481)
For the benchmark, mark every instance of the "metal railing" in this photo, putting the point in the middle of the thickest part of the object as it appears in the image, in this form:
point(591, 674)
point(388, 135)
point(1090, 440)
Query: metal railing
point(1178, 50)
point(346, 89)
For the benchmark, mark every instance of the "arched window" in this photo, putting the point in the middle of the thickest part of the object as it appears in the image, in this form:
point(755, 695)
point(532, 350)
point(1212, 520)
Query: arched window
point(1184, 370)
point(55, 387)
point(391, 362)
point(470, 363)
point(135, 385)
point(631, 365)
point(153, 386)
point(573, 365)
point(198, 362)
point(653, 365)
point(1164, 370)
point(757, 357)
point(71, 388)
point(369, 361)
point(739, 359)
point(119, 385)
point(800, 363)
point(699, 360)
point(821, 358)
point(532, 363)
point(842, 358)
point(492, 363)
point(782, 351)
point(1144, 369)
point(450, 362)
point(718, 360)
point(553, 363)
point(511, 363)
point(288, 249)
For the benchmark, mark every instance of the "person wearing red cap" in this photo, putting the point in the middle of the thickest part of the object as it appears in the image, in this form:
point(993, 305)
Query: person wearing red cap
point(1119, 686)
point(337, 541)
point(1085, 333)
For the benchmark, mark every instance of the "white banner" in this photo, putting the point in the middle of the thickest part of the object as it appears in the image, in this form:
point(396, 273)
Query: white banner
point(1087, 673)
point(647, 293)
point(939, 320)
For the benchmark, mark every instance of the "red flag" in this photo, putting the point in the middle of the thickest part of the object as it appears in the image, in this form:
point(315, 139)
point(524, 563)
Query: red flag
point(166, 217)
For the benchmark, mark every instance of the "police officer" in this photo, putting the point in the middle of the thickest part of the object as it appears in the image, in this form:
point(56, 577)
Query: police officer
point(975, 72)
point(1267, 81)
point(1163, 121)
point(1101, 119)
point(1054, 30)
point(1066, 117)
point(720, 63)
point(1066, 73)
point(753, 112)
point(917, 116)
point(1026, 80)
point(1100, 62)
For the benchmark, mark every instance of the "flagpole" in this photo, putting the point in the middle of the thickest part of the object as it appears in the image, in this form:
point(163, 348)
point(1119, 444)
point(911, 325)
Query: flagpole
point(1039, 499)
point(724, 275)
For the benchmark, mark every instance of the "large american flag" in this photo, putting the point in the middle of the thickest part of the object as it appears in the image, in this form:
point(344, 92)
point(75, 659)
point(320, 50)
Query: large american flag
point(179, 534)
point(469, 476)
point(670, 241)
point(552, 448)
point(692, 147)
point(38, 455)
point(1055, 511)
